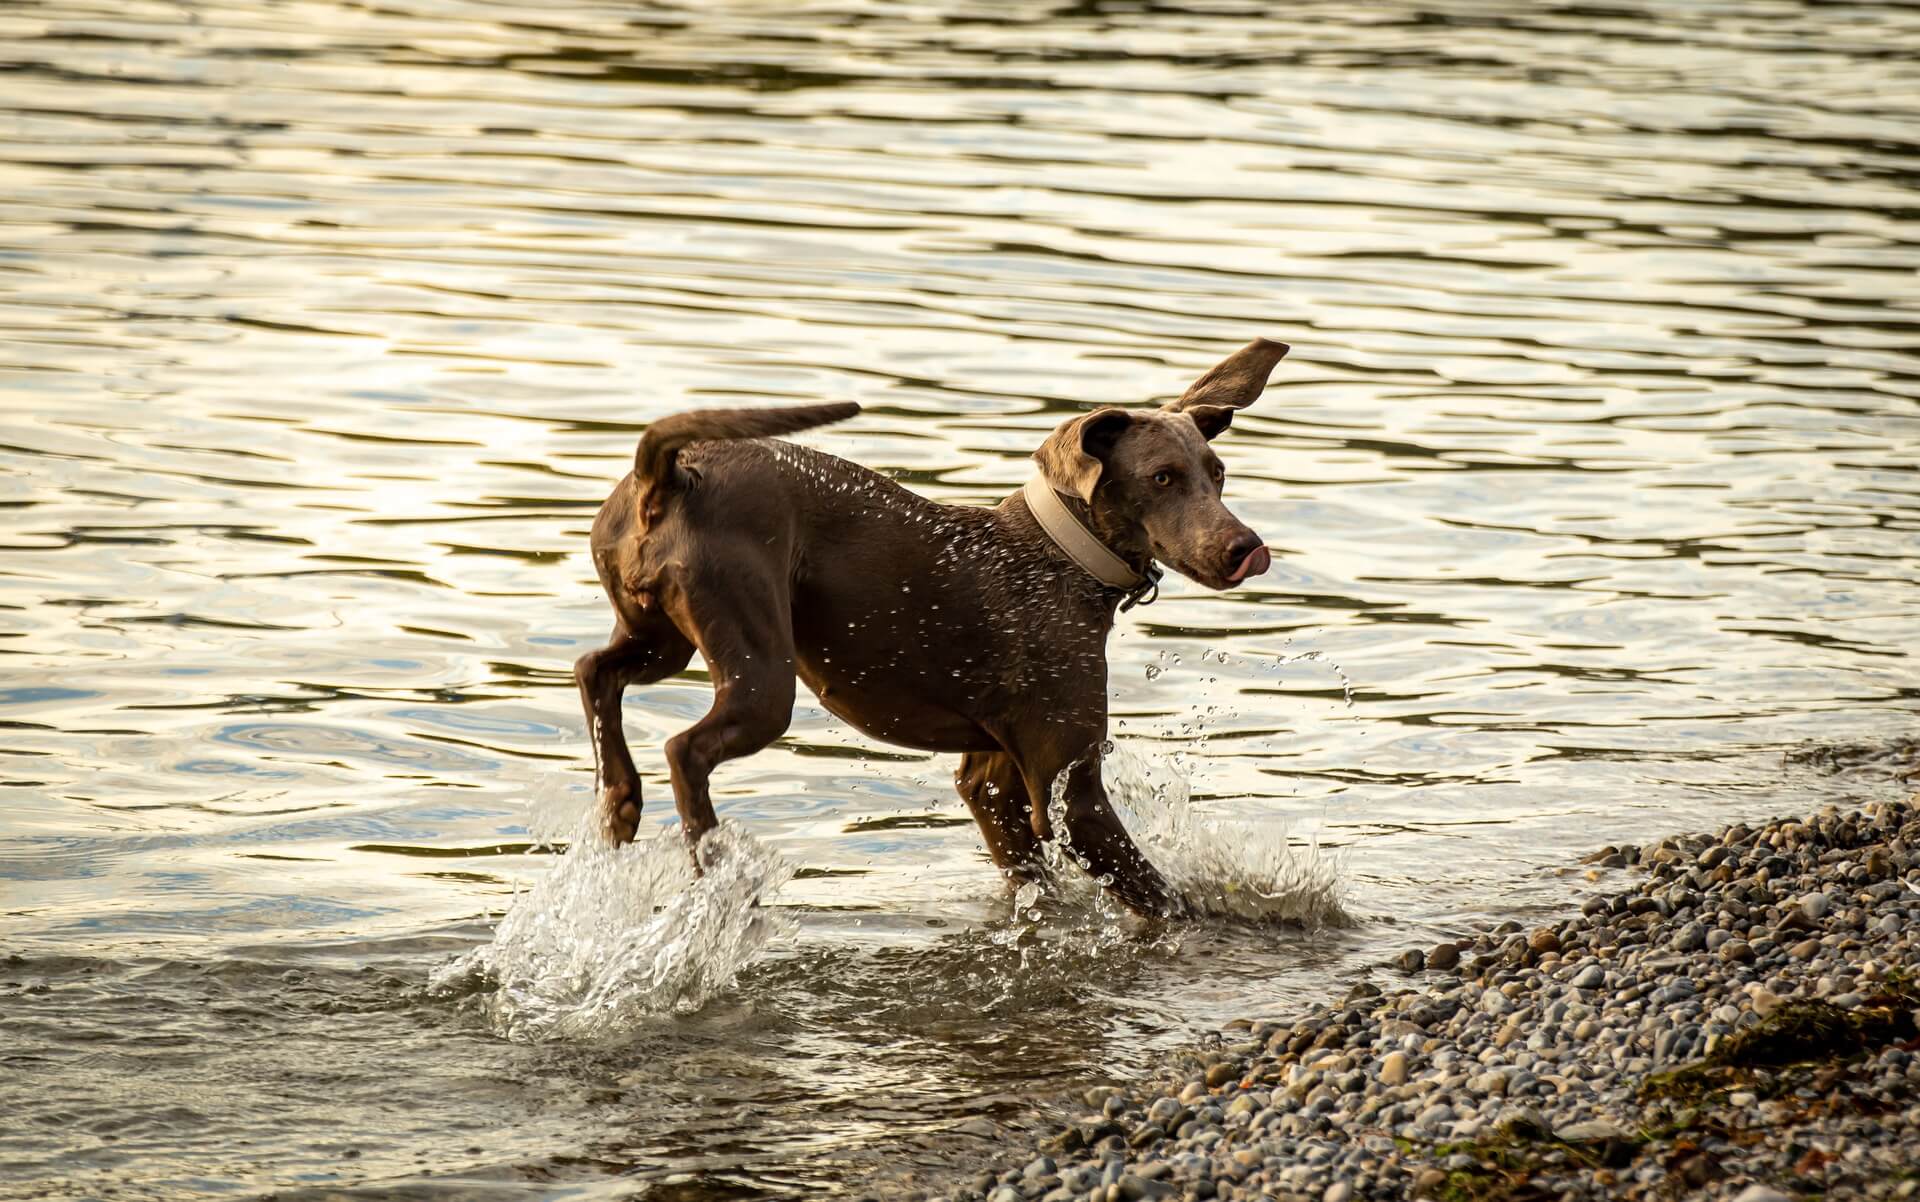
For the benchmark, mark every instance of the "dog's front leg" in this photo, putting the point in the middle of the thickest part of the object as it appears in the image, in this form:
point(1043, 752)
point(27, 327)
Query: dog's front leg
point(1095, 837)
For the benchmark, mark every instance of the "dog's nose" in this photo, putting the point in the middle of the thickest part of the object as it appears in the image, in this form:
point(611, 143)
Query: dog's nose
point(1249, 557)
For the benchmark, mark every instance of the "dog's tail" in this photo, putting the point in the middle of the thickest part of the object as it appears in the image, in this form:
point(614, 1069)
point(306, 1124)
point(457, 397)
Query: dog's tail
point(664, 439)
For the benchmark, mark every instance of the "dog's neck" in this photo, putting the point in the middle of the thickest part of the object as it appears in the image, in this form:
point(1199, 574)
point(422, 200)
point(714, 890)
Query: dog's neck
point(1119, 560)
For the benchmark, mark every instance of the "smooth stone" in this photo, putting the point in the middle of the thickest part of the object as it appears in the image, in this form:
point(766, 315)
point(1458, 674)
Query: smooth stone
point(1134, 1187)
point(1393, 1069)
point(1434, 1115)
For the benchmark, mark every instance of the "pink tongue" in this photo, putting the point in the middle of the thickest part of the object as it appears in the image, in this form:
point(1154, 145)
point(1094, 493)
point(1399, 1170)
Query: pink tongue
point(1256, 562)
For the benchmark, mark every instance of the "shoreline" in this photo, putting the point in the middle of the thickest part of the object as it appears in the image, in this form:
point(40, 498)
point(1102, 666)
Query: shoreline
point(1739, 1018)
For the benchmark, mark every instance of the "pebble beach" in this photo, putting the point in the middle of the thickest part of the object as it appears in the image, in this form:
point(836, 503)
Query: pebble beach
point(1726, 1016)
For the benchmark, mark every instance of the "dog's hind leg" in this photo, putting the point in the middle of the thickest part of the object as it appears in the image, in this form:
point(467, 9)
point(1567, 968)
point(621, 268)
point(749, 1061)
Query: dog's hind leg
point(991, 785)
point(747, 641)
point(603, 675)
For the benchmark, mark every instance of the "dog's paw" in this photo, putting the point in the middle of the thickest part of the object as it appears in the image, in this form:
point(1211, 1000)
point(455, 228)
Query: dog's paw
point(620, 809)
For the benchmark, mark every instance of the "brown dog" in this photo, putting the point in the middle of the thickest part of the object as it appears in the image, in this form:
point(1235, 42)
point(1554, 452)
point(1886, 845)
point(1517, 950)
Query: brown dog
point(941, 627)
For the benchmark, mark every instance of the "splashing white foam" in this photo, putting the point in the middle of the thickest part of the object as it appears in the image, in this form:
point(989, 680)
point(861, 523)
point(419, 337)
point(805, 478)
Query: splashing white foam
point(1221, 867)
point(612, 936)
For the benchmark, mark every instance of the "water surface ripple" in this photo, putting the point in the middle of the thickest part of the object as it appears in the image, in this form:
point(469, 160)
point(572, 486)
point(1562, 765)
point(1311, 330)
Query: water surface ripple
point(324, 326)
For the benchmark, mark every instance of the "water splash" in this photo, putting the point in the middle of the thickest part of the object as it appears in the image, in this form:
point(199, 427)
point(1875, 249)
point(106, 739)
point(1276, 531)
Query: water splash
point(611, 937)
point(1309, 657)
point(1221, 867)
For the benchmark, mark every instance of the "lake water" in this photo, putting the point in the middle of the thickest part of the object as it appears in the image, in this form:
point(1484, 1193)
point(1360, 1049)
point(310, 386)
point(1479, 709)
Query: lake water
point(326, 326)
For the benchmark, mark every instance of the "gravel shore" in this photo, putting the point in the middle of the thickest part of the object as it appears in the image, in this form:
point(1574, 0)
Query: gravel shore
point(1737, 1021)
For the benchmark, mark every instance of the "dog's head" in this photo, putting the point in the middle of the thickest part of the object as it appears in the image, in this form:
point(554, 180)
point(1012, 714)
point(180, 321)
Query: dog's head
point(1152, 482)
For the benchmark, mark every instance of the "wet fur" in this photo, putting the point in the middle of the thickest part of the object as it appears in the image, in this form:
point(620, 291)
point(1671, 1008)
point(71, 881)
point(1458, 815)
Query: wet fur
point(939, 627)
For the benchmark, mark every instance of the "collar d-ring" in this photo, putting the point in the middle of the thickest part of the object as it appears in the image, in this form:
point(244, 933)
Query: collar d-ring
point(1146, 592)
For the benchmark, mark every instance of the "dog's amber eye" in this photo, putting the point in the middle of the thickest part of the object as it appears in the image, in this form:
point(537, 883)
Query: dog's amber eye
point(1163, 478)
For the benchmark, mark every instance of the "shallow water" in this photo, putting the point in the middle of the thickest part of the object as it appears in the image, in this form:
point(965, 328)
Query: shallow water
point(325, 327)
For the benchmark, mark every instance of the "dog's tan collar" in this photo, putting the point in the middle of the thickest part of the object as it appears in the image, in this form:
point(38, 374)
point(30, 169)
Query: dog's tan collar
point(1083, 548)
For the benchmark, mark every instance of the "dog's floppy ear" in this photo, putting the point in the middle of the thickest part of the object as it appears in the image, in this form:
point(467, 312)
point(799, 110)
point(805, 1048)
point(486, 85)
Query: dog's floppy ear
point(1073, 456)
point(1236, 381)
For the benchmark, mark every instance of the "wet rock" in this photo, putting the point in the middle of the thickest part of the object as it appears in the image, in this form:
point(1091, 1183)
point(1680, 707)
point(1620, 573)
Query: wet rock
point(1134, 1187)
point(1433, 1116)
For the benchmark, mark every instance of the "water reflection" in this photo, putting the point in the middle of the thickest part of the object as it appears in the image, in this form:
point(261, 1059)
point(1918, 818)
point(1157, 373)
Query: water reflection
point(327, 327)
